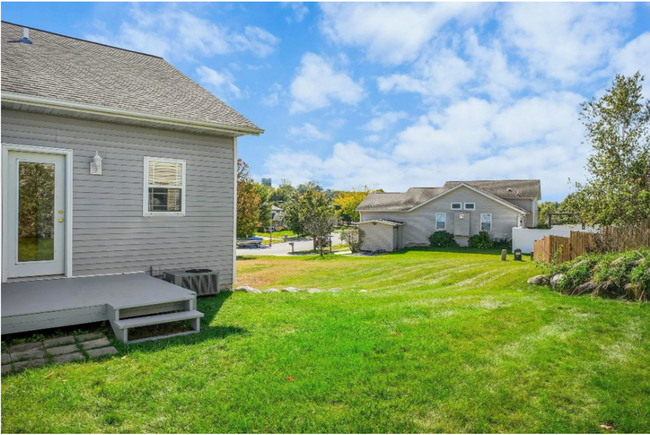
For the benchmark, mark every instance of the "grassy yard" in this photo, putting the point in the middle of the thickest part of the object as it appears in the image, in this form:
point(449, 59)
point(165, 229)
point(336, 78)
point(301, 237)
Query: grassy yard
point(439, 342)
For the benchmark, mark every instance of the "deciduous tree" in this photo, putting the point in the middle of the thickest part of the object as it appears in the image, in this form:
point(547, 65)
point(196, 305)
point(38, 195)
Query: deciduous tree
point(617, 191)
point(248, 202)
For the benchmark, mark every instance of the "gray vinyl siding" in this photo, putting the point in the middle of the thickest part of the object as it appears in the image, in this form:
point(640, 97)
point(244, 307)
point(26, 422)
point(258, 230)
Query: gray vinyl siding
point(378, 237)
point(421, 222)
point(110, 233)
point(531, 206)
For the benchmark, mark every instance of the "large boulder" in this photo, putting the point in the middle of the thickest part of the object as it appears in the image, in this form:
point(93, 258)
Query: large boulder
point(582, 289)
point(271, 290)
point(607, 289)
point(555, 279)
point(634, 292)
point(539, 280)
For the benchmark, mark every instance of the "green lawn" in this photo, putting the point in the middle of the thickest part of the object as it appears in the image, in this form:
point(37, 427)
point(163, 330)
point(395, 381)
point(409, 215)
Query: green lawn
point(440, 342)
point(278, 234)
point(33, 249)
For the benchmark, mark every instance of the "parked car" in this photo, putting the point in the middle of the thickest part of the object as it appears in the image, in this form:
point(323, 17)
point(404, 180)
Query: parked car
point(250, 242)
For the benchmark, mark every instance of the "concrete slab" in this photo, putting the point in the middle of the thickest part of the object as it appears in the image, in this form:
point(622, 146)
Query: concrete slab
point(30, 363)
point(96, 353)
point(91, 336)
point(59, 341)
point(102, 342)
point(25, 347)
point(69, 357)
point(27, 355)
point(62, 350)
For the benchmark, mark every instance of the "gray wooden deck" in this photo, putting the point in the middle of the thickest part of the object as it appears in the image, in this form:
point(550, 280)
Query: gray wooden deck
point(34, 305)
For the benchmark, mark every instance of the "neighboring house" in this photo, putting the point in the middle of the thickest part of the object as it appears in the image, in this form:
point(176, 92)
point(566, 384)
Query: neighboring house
point(392, 221)
point(277, 216)
point(114, 162)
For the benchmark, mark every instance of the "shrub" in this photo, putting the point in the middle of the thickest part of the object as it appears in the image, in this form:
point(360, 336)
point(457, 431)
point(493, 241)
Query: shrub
point(481, 240)
point(442, 239)
point(502, 243)
point(614, 270)
point(354, 238)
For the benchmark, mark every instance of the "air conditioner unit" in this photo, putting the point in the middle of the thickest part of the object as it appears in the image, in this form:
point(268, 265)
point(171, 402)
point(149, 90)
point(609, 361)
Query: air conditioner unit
point(202, 281)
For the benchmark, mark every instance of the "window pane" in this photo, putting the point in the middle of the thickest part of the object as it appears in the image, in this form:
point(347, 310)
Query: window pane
point(456, 205)
point(165, 173)
point(486, 222)
point(162, 199)
point(441, 219)
point(469, 206)
point(35, 211)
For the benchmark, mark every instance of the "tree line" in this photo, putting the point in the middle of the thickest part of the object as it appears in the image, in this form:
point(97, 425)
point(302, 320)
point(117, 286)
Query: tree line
point(307, 210)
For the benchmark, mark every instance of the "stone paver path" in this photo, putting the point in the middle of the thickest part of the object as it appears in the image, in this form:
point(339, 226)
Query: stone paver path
point(56, 350)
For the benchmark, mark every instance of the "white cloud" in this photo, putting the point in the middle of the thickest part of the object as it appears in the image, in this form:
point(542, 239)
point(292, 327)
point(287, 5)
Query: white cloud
point(438, 74)
point(273, 99)
point(535, 137)
point(300, 11)
point(497, 77)
point(634, 56)
point(390, 32)
point(317, 85)
point(173, 33)
point(385, 120)
point(568, 42)
point(222, 84)
point(307, 133)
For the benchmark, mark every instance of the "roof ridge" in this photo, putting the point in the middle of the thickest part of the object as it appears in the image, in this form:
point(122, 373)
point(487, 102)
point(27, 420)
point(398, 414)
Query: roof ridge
point(83, 40)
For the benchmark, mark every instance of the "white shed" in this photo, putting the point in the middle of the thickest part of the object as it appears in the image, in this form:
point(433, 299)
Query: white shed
point(382, 235)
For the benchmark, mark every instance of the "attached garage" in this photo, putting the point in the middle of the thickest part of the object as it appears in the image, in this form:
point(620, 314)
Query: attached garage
point(382, 235)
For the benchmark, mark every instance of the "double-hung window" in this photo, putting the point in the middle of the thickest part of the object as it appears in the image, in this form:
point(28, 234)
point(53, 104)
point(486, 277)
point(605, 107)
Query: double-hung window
point(486, 221)
point(164, 187)
point(441, 221)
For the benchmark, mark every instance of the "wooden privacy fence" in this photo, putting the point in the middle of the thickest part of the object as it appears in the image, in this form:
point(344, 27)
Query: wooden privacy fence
point(609, 239)
point(544, 249)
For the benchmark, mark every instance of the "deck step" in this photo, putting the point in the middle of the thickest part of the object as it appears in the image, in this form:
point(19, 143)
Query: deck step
point(188, 296)
point(156, 319)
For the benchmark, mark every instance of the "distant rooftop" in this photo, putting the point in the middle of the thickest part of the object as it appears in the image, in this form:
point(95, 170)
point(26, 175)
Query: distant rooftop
point(501, 189)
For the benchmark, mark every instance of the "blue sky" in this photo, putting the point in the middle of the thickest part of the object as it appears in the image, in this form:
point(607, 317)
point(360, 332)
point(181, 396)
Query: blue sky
point(387, 95)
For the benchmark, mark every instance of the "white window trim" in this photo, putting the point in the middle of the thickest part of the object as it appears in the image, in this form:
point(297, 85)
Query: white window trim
point(481, 222)
point(445, 222)
point(145, 199)
point(471, 209)
point(460, 206)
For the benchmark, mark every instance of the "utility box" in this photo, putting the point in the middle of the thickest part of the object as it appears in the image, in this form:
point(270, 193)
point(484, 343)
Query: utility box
point(202, 281)
point(518, 255)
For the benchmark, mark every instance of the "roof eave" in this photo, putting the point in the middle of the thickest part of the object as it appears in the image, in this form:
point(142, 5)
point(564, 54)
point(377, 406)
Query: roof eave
point(51, 103)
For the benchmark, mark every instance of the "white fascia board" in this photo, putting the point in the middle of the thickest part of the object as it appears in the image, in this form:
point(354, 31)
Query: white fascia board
point(13, 97)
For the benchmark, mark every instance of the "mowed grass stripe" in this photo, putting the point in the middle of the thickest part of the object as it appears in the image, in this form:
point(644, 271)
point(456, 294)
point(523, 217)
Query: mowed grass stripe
point(441, 342)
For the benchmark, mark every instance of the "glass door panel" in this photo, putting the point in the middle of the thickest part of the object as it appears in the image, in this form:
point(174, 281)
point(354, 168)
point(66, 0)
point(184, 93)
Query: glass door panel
point(36, 211)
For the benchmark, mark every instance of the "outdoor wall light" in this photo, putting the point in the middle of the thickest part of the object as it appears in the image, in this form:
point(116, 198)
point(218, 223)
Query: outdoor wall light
point(96, 165)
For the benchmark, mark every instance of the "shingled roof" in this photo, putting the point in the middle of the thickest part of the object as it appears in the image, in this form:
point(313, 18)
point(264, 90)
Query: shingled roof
point(68, 69)
point(501, 190)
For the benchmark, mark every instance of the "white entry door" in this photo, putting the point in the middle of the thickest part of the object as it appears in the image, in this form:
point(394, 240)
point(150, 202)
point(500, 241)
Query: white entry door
point(35, 213)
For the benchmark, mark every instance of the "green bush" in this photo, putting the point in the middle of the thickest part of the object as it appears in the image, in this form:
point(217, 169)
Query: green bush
point(442, 239)
point(613, 267)
point(481, 240)
point(502, 243)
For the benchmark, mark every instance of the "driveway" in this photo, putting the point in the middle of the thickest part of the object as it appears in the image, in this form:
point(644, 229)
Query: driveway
point(284, 248)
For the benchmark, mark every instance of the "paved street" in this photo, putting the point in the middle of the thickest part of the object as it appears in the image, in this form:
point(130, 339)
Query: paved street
point(284, 248)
